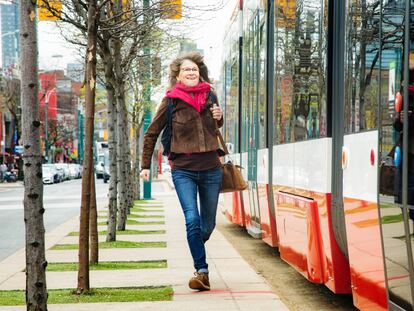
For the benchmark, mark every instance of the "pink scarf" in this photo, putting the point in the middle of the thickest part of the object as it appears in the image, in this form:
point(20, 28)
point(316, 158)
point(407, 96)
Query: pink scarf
point(182, 92)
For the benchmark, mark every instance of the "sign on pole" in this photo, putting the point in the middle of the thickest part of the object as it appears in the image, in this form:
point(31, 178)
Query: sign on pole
point(49, 10)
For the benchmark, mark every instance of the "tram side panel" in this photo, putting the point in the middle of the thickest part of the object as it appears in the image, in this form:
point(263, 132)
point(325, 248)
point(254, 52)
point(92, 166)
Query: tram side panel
point(313, 175)
point(360, 160)
point(233, 208)
point(267, 216)
point(301, 174)
point(246, 199)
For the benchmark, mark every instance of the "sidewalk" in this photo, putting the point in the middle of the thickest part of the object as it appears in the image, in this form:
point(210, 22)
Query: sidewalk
point(235, 286)
point(7, 185)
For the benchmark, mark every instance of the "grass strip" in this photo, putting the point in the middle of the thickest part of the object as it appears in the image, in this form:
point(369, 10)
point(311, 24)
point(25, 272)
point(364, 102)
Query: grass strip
point(63, 296)
point(145, 216)
point(147, 202)
point(149, 207)
point(108, 265)
point(138, 210)
point(124, 232)
point(135, 216)
point(403, 237)
point(136, 222)
point(389, 219)
point(114, 244)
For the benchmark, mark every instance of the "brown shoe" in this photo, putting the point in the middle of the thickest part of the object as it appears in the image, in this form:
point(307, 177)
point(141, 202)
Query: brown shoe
point(199, 281)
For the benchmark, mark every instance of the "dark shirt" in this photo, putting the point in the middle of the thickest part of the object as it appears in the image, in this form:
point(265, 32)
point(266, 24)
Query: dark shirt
point(196, 161)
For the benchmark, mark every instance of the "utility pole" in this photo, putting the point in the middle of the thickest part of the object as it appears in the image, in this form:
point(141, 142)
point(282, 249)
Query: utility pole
point(147, 100)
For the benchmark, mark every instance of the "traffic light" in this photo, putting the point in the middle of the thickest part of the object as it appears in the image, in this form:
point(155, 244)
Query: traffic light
point(171, 9)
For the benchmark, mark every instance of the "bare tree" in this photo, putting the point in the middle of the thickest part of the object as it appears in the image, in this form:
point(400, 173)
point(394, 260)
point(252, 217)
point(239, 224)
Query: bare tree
point(10, 100)
point(94, 258)
point(36, 292)
point(112, 141)
point(90, 77)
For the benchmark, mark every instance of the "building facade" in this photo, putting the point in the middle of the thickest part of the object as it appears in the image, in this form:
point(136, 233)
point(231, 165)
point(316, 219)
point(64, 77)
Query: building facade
point(9, 34)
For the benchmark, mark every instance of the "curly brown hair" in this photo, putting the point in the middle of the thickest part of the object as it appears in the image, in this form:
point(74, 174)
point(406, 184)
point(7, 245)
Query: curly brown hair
point(196, 58)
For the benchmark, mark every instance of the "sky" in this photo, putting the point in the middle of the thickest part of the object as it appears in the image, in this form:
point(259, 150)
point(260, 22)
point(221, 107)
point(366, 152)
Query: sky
point(207, 29)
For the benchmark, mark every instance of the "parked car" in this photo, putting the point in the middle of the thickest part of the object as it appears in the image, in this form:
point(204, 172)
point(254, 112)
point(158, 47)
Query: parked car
point(65, 168)
point(99, 170)
point(73, 171)
point(106, 174)
point(79, 169)
point(50, 175)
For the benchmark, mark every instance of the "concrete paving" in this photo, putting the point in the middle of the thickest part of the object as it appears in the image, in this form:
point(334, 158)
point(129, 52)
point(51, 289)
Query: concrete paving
point(234, 284)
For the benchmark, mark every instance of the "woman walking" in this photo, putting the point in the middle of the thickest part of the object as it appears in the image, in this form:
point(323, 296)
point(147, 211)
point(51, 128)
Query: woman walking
point(196, 168)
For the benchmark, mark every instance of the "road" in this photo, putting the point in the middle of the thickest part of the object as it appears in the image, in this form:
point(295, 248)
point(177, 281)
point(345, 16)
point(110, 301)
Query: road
point(61, 202)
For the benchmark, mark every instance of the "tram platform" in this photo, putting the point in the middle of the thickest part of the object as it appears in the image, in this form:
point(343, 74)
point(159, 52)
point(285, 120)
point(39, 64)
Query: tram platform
point(234, 284)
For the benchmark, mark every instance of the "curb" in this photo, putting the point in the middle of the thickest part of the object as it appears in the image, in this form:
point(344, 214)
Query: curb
point(11, 185)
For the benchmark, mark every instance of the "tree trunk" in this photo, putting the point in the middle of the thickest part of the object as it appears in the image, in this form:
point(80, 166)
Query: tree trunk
point(36, 292)
point(93, 223)
point(137, 181)
point(112, 143)
point(83, 271)
point(122, 124)
point(128, 169)
point(122, 180)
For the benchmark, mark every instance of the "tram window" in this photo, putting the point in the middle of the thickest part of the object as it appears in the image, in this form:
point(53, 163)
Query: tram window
point(362, 66)
point(262, 88)
point(300, 71)
point(232, 80)
point(250, 86)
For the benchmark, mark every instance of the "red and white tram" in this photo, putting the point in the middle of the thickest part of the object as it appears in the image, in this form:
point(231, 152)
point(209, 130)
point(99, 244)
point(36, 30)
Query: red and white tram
point(309, 93)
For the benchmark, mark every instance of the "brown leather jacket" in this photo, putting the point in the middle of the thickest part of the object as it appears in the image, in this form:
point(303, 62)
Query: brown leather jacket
point(191, 131)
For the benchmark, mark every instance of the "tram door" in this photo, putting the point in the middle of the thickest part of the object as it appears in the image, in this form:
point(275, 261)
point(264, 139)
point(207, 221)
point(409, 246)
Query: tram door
point(251, 112)
point(396, 147)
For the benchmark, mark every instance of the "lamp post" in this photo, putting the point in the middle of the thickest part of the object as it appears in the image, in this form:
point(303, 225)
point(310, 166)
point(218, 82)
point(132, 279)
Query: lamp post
point(47, 97)
point(147, 99)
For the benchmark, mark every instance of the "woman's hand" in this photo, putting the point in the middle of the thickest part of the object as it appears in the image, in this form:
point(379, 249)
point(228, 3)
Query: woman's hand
point(145, 174)
point(217, 112)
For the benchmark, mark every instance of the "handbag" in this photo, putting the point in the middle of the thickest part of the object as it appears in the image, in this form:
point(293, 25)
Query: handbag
point(232, 178)
point(388, 172)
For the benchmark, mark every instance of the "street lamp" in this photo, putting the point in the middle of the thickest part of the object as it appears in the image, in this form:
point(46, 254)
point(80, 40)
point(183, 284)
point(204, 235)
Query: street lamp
point(47, 96)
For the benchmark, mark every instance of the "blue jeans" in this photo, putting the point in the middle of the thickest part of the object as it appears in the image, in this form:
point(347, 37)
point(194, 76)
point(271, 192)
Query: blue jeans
point(199, 224)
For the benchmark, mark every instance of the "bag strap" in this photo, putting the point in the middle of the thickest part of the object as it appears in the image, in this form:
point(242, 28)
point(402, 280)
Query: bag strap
point(213, 98)
point(226, 151)
point(169, 112)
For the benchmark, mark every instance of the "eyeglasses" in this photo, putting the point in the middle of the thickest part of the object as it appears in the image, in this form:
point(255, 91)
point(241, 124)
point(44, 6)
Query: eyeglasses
point(189, 69)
